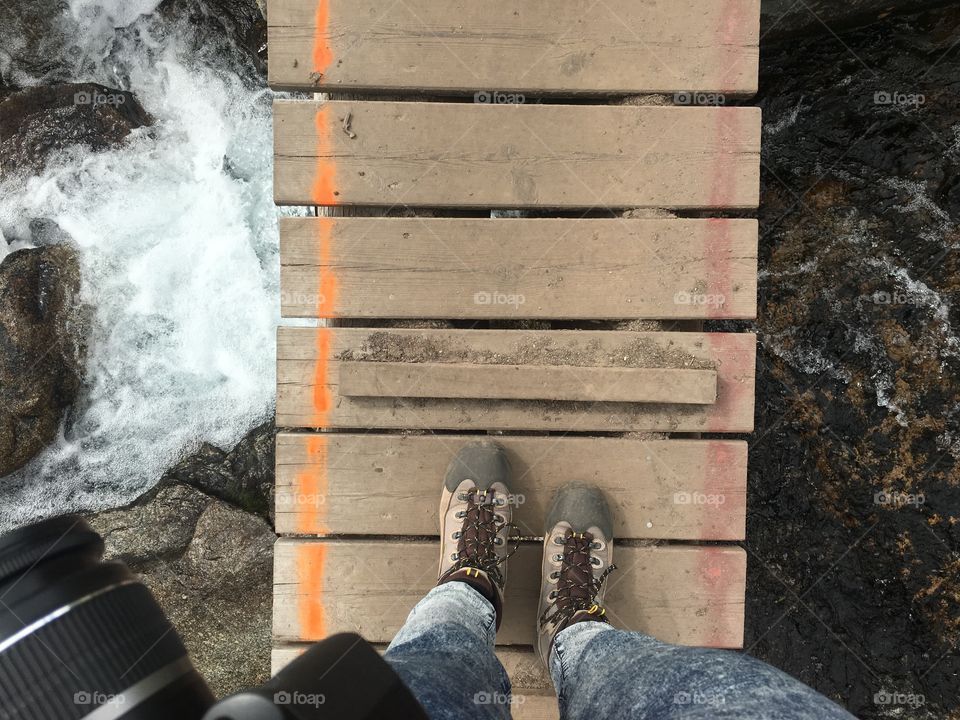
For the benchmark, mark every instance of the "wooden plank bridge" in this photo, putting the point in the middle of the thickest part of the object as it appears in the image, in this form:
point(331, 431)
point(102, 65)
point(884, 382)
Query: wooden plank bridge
point(525, 216)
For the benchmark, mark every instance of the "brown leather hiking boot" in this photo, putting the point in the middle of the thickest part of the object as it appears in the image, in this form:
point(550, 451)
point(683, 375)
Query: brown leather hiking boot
point(475, 513)
point(577, 557)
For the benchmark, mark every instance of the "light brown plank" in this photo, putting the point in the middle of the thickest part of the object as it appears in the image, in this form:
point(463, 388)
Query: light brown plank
point(308, 369)
point(686, 595)
point(533, 694)
point(518, 268)
point(614, 47)
point(683, 386)
point(344, 483)
point(460, 154)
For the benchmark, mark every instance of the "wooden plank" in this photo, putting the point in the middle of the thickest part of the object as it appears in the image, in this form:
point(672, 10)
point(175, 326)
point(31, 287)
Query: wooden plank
point(533, 694)
point(684, 386)
point(688, 595)
point(518, 268)
point(459, 154)
point(344, 483)
point(308, 369)
point(614, 47)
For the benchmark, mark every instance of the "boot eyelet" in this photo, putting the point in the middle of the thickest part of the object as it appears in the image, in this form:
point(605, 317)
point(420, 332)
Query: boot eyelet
point(554, 577)
point(597, 545)
point(462, 496)
point(557, 558)
point(498, 541)
point(456, 535)
point(596, 562)
point(461, 514)
point(552, 595)
point(559, 540)
point(455, 556)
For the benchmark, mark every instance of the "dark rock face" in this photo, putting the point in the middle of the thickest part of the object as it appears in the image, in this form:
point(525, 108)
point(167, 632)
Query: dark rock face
point(41, 348)
point(34, 40)
point(40, 121)
point(780, 19)
point(234, 29)
point(244, 476)
point(854, 511)
point(210, 566)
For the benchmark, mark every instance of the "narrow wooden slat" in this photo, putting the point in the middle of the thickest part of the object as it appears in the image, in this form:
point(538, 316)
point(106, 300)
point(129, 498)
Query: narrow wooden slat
point(459, 154)
point(344, 483)
point(533, 694)
point(685, 595)
point(308, 370)
point(617, 46)
point(518, 268)
point(528, 382)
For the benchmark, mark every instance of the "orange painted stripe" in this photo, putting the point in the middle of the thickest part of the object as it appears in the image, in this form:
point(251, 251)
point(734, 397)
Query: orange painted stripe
point(322, 54)
point(323, 190)
point(311, 486)
point(311, 558)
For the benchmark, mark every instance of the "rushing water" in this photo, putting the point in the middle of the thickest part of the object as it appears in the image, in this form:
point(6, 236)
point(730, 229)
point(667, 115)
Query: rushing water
point(177, 238)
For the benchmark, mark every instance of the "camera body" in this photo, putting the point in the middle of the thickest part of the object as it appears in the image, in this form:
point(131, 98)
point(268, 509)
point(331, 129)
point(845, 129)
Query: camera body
point(84, 638)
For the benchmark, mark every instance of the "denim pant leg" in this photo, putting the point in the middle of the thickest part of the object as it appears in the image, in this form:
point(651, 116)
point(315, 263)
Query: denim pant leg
point(444, 655)
point(605, 674)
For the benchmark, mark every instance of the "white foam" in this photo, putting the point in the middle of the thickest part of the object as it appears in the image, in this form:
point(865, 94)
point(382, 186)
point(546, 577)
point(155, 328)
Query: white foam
point(179, 261)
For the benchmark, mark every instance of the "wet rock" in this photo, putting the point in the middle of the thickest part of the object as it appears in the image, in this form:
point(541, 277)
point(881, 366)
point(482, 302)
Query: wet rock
point(41, 348)
point(244, 476)
point(210, 566)
point(33, 40)
point(854, 511)
point(236, 29)
point(39, 122)
point(780, 19)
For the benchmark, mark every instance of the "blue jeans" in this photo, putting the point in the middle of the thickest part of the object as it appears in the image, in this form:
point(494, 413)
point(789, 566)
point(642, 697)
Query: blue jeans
point(444, 654)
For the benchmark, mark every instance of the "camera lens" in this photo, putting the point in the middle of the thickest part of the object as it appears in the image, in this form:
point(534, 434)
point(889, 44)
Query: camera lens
point(83, 638)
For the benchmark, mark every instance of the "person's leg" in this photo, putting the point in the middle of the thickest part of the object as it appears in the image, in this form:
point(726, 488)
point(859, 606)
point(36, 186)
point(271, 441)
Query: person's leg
point(601, 673)
point(444, 652)
point(444, 655)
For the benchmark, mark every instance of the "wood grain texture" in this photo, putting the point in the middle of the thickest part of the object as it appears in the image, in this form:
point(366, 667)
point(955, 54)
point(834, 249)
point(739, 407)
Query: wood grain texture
point(308, 366)
point(614, 47)
point(345, 483)
point(684, 386)
point(470, 155)
point(533, 694)
point(688, 595)
point(519, 268)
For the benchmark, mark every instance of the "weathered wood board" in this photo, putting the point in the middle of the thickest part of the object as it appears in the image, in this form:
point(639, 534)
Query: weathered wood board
point(577, 46)
point(308, 368)
point(690, 595)
point(560, 156)
point(533, 695)
point(518, 268)
point(685, 386)
point(350, 484)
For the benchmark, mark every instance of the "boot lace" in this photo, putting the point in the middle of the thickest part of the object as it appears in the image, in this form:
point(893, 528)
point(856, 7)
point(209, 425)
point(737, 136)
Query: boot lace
point(577, 589)
point(479, 536)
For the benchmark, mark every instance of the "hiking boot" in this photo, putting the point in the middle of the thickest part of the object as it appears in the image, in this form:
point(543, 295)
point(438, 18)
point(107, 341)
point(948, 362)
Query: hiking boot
point(577, 557)
point(475, 521)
